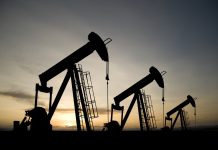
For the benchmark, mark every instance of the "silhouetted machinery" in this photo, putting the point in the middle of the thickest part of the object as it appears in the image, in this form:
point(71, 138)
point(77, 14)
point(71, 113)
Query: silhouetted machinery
point(37, 118)
point(180, 112)
point(134, 89)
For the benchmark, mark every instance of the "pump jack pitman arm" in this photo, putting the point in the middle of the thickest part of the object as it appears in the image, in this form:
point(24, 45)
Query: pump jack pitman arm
point(95, 43)
point(154, 75)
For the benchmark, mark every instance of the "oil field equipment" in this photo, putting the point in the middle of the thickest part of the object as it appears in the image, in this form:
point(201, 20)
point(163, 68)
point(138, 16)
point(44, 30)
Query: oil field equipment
point(180, 112)
point(85, 108)
point(138, 96)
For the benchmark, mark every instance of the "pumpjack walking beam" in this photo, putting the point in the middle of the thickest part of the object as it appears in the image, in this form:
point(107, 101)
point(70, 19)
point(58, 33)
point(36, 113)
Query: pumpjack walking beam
point(154, 75)
point(95, 43)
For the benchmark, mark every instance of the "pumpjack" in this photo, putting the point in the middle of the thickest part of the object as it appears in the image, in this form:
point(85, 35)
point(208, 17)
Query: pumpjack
point(180, 112)
point(135, 89)
point(37, 118)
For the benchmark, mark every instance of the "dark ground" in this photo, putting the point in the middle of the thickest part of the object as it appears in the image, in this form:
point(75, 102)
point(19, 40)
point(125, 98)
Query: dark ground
point(199, 139)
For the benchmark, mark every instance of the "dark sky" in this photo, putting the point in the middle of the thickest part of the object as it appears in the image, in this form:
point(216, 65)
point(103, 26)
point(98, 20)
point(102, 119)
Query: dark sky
point(179, 37)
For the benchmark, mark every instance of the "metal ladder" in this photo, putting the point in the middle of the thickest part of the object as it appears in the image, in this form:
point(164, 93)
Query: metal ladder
point(152, 119)
point(184, 119)
point(89, 98)
point(149, 111)
point(142, 110)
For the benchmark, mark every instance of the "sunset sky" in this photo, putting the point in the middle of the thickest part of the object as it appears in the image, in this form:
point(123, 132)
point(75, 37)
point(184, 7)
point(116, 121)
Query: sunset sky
point(179, 37)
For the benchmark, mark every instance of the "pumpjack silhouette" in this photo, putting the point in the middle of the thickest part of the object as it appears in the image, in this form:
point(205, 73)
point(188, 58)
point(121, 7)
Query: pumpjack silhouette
point(180, 113)
point(37, 118)
point(113, 125)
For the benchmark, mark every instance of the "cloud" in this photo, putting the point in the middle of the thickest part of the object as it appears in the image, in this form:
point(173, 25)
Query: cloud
point(16, 94)
point(24, 97)
point(20, 96)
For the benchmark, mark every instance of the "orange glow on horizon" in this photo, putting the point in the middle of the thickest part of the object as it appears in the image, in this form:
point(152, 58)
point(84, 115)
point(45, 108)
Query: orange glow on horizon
point(63, 120)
